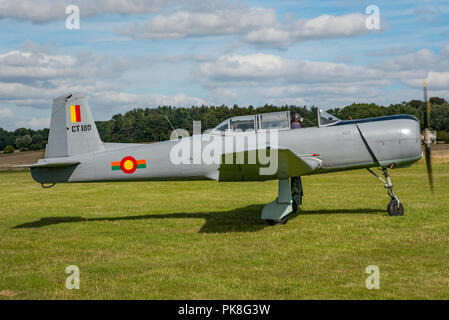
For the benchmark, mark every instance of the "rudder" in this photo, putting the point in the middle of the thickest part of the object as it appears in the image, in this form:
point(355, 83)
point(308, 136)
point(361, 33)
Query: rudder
point(72, 128)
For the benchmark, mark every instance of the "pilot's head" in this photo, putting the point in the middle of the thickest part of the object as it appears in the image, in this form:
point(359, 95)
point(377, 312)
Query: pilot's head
point(296, 117)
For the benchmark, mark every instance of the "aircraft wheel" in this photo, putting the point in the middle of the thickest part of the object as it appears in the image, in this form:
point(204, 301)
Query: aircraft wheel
point(395, 210)
point(284, 220)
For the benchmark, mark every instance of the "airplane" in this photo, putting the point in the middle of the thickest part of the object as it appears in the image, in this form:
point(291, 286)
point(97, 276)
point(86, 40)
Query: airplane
point(75, 152)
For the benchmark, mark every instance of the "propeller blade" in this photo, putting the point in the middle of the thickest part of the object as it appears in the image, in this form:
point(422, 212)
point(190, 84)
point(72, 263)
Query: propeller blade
point(427, 111)
point(427, 138)
point(428, 155)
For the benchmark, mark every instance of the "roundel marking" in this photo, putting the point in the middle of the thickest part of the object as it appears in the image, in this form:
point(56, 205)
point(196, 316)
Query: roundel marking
point(128, 165)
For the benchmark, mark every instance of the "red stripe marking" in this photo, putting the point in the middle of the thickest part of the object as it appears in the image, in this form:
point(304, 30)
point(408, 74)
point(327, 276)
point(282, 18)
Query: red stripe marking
point(78, 113)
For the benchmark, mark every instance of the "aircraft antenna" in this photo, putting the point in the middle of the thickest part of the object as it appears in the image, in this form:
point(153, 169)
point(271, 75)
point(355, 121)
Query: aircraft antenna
point(171, 125)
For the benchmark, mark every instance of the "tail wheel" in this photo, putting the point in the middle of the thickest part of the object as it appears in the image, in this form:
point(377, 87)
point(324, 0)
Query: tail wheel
point(394, 209)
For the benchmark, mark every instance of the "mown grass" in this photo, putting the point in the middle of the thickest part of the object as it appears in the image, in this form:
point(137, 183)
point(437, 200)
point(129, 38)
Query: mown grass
point(205, 240)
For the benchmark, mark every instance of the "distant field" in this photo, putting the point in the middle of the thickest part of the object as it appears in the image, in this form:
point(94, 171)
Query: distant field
point(8, 161)
point(440, 151)
point(205, 240)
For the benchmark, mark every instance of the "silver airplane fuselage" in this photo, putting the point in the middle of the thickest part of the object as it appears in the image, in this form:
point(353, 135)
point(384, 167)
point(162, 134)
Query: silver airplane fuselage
point(391, 141)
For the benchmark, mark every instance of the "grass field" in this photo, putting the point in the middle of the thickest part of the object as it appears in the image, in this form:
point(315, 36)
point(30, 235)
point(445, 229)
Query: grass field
point(205, 240)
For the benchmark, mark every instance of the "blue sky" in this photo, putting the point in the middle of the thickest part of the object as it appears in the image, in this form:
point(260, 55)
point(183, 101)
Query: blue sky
point(144, 53)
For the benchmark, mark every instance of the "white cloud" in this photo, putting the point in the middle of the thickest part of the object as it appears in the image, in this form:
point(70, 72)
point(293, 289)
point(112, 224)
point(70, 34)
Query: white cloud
point(16, 65)
point(272, 72)
point(194, 18)
point(324, 94)
point(25, 67)
point(444, 52)
point(126, 100)
point(435, 80)
point(223, 95)
point(256, 25)
point(324, 26)
point(39, 123)
point(31, 80)
point(6, 113)
point(183, 24)
point(281, 101)
point(346, 58)
point(412, 69)
point(277, 80)
point(389, 52)
point(438, 80)
point(274, 79)
point(48, 10)
point(420, 59)
point(262, 67)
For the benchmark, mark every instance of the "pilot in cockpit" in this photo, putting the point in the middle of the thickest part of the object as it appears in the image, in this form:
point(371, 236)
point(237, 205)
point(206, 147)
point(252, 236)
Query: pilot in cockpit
point(296, 121)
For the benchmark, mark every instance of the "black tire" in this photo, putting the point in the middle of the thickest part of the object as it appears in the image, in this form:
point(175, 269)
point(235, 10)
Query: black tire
point(395, 210)
point(294, 206)
point(284, 220)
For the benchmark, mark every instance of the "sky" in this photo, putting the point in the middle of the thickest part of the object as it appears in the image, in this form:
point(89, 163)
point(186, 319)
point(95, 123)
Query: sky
point(146, 53)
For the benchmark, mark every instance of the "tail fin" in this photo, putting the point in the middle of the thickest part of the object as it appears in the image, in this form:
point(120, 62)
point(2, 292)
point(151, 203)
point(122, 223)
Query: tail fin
point(72, 128)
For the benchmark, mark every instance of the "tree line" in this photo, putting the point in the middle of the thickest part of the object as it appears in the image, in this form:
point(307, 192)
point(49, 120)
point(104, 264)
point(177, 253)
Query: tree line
point(151, 124)
point(23, 139)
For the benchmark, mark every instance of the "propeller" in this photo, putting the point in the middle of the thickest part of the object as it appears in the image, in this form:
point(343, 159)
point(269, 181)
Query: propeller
point(428, 138)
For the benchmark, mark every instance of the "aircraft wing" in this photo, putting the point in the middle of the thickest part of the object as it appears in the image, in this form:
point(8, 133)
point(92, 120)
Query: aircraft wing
point(259, 169)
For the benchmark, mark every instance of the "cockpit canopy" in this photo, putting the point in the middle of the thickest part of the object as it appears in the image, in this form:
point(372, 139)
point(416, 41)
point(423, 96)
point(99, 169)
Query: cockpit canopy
point(325, 119)
point(268, 121)
point(264, 121)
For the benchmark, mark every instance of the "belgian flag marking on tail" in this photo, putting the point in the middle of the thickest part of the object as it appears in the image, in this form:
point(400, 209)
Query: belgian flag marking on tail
point(75, 113)
point(128, 165)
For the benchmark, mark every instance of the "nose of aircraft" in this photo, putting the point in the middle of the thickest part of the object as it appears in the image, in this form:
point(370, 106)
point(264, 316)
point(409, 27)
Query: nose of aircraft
point(411, 140)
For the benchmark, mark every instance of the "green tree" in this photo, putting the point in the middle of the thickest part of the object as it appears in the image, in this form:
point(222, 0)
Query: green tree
point(37, 139)
point(151, 125)
point(8, 149)
point(436, 100)
point(23, 143)
point(442, 136)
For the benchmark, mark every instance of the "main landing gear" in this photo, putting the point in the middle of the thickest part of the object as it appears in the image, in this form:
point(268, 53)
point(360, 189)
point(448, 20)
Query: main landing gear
point(287, 202)
point(395, 207)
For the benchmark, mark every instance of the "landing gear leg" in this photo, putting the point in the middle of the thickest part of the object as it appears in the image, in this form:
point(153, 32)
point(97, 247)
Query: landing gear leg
point(277, 211)
point(395, 207)
point(297, 193)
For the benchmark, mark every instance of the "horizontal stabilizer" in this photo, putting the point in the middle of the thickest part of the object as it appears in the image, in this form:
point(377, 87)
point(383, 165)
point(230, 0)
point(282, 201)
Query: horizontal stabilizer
point(49, 163)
